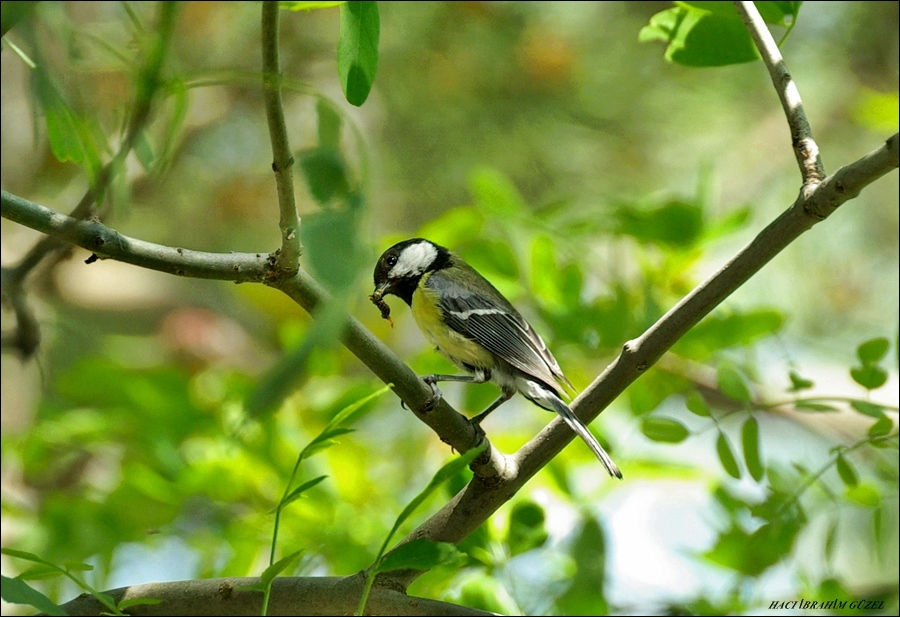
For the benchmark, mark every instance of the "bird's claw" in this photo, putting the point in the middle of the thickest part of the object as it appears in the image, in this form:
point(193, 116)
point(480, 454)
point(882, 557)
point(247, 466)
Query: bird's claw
point(436, 395)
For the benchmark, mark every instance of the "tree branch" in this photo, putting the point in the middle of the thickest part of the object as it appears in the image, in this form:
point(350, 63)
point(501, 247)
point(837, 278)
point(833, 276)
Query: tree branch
point(479, 500)
point(287, 262)
point(106, 243)
point(805, 148)
point(325, 595)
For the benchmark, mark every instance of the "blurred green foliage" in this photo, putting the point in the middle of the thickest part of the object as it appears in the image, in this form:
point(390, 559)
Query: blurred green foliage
point(592, 182)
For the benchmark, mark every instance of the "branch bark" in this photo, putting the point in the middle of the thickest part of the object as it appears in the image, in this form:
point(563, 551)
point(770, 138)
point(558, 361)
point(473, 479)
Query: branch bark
point(805, 148)
point(287, 262)
point(326, 595)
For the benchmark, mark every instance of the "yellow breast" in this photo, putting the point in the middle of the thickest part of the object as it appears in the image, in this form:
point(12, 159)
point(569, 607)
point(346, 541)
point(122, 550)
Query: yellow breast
point(457, 348)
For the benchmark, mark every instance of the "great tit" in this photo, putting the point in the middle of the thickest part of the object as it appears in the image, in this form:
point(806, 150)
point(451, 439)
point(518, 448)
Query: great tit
point(477, 329)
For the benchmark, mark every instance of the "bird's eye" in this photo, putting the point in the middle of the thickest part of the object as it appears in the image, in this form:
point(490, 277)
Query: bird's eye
point(391, 261)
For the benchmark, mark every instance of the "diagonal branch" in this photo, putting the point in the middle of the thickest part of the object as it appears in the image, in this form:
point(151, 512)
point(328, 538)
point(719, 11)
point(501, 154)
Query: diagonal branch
point(805, 148)
point(288, 260)
point(479, 500)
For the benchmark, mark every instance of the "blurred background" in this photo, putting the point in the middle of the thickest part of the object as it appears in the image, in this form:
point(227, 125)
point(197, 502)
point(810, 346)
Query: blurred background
point(591, 180)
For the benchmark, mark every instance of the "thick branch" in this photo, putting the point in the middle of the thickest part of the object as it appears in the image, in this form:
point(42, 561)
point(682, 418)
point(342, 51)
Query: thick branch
point(478, 501)
point(805, 148)
point(290, 596)
point(288, 261)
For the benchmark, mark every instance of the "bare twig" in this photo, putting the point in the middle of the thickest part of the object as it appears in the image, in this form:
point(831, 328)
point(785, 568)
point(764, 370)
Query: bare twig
point(288, 260)
point(805, 148)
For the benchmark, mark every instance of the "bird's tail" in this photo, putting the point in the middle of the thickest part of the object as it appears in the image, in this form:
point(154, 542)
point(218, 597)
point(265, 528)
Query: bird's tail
point(547, 399)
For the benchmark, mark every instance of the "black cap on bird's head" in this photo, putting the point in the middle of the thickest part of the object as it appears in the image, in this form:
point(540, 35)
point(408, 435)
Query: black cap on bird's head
point(400, 267)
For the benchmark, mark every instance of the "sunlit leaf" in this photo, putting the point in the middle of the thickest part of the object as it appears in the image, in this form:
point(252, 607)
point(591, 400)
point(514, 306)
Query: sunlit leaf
point(865, 494)
point(309, 6)
point(358, 50)
point(295, 494)
point(420, 554)
point(270, 573)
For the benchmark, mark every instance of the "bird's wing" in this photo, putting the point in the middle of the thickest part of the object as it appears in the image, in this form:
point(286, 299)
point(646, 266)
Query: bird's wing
point(496, 325)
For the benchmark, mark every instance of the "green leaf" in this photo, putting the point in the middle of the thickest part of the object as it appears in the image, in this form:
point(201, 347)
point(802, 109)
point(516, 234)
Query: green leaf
point(676, 224)
point(333, 248)
point(812, 406)
point(329, 125)
point(495, 192)
point(26, 556)
point(420, 554)
point(278, 567)
point(696, 36)
point(869, 377)
point(446, 472)
point(882, 427)
point(696, 404)
point(70, 139)
point(750, 441)
point(144, 151)
point(526, 527)
point(846, 472)
point(450, 469)
point(719, 331)
point(663, 429)
point(358, 50)
point(732, 384)
point(325, 174)
point(726, 456)
point(294, 494)
point(868, 409)
point(865, 495)
point(586, 594)
point(17, 591)
point(873, 350)
point(799, 383)
point(309, 6)
point(11, 13)
point(126, 604)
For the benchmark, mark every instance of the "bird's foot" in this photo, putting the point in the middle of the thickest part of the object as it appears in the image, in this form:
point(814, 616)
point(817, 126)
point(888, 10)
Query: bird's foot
point(436, 394)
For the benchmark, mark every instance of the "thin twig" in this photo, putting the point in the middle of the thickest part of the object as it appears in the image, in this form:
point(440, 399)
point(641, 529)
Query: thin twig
point(288, 260)
point(805, 148)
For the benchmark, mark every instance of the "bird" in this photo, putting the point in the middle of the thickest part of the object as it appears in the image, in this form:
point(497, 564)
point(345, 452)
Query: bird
point(475, 327)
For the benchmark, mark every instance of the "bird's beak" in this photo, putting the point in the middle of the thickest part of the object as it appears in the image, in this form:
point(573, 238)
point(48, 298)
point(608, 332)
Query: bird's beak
point(381, 290)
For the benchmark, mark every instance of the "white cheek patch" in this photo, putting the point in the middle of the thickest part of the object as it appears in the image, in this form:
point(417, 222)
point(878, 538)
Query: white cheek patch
point(413, 260)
